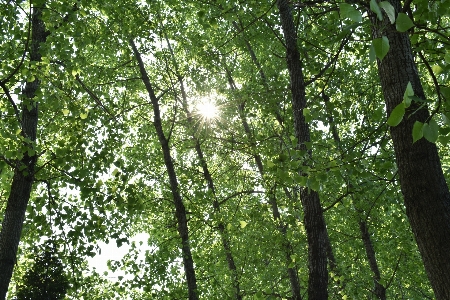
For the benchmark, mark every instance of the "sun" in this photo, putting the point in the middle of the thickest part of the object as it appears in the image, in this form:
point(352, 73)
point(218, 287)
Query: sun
point(207, 109)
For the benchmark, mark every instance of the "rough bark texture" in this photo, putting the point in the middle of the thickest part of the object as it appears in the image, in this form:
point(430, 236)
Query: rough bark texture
point(23, 179)
point(180, 210)
point(426, 194)
point(316, 230)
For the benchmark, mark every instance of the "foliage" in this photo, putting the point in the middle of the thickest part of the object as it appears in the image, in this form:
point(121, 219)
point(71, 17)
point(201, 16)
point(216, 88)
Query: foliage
point(46, 278)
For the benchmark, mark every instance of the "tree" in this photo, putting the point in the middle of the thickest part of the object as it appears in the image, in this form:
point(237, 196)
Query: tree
point(427, 197)
point(46, 278)
point(223, 199)
point(25, 162)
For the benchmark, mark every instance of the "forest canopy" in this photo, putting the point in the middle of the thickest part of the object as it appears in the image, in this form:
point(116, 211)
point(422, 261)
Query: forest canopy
point(275, 150)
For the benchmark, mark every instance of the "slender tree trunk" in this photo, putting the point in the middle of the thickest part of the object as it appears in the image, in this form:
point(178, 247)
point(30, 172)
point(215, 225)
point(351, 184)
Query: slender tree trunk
point(24, 172)
point(287, 248)
point(207, 176)
point(379, 289)
point(425, 191)
point(180, 211)
point(315, 226)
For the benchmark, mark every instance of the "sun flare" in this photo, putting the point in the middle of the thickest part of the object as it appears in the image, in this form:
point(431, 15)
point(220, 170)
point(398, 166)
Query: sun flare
point(207, 110)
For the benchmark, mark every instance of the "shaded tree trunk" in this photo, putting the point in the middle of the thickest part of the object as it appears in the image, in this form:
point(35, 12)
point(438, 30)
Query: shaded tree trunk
point(425, 191)
point(315, 226)
point(24, 169)
point(379, 289)
point(180, 210)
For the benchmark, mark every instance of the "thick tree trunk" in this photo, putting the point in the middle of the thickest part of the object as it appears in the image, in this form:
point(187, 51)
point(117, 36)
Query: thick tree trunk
point(316, 230)
point(180, 210)
point(24, 173)
point(426, 194)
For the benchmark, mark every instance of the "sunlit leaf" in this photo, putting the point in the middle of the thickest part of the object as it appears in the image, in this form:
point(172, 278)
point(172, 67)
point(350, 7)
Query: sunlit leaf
point(243, 224)
point(389, 9)
point(409, 92)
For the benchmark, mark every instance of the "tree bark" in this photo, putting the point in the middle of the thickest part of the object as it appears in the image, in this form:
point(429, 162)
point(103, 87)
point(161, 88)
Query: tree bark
point(315, 226)
point(425, 191)
point(180, 210)
point(24, 170)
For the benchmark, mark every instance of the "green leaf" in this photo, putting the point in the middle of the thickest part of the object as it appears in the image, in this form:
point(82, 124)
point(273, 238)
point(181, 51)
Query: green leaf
point(376, 9)
point(372, 55)
point(431, 131)
point(446, 119)
point(409, 92)
point(389, 9)
point(437, 69)
point(396, 115)
point(243, 224)
point(403, 22)
point(31, 152)
point(444, 139)
point(348, 11)
point(65, 112)
point(83, 116)
point(447, 57)
point(417, 131)
point(381, 46)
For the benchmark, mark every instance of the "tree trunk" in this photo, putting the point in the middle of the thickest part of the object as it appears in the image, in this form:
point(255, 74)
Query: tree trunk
point(287, 248)
point(316, 230)
point(180, 210)
point(207, 176)
point(24, 171)
point(379, 289)
point(426, 194)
